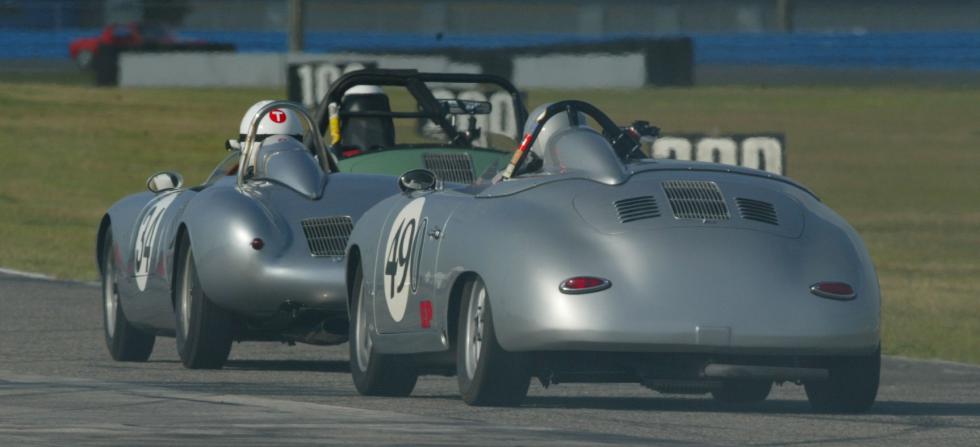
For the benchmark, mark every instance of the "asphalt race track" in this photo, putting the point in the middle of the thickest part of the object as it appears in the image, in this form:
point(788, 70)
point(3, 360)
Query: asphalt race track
point(59, 387)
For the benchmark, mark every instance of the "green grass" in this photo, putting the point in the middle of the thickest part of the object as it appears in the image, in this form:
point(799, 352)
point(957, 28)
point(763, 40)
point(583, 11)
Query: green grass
point(62, 77)
point(902, 164)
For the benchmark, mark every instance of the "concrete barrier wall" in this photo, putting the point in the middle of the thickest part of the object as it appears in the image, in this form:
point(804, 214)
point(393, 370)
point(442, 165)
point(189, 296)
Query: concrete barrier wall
point(580, 70)
point(201, 69)
point(269, 69)
point(253, 69)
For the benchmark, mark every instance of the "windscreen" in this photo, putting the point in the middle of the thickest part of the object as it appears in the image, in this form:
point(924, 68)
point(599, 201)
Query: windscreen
point(470, 114)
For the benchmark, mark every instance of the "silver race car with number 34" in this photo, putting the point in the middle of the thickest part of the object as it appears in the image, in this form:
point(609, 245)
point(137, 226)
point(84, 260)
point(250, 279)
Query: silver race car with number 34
point(585, 261)
point(254, 253)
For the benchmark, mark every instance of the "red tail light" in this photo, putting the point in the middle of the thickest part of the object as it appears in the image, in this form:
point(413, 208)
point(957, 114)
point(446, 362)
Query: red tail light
point(584, 284)
point(833, 290)
point(425, 313)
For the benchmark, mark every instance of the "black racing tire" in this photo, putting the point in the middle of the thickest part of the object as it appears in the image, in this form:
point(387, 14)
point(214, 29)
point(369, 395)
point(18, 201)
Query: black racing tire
point(494, 377)
point(851, 388)
point(205, 331)
point(125, 342)
point(375, 374)
point(742, 391)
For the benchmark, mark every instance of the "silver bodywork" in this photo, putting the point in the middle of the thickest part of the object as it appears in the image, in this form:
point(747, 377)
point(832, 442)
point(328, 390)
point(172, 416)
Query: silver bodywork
point(290, 186)
point(685, 278)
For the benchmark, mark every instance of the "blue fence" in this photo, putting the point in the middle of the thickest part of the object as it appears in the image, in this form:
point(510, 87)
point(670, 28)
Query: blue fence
point(923, 51)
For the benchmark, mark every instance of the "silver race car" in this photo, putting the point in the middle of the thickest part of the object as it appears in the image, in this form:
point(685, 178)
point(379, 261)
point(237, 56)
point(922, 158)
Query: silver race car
point(584, 261)
point(254, 253)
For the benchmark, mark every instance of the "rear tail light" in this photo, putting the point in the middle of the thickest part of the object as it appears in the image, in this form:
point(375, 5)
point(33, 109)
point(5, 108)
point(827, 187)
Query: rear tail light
point(425, 313)
point(833, 290)
point(583, 284)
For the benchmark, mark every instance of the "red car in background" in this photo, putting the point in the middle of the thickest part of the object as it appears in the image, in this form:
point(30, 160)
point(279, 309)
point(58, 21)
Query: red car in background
point(83, 50)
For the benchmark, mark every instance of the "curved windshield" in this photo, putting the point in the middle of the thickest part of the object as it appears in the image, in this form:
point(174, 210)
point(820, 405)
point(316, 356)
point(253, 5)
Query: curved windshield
point(227, 167)
point(581, 151)
point(464, 114)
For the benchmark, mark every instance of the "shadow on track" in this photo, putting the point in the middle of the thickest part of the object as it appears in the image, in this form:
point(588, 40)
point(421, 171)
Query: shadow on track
point(329, 366)
point(881, 408)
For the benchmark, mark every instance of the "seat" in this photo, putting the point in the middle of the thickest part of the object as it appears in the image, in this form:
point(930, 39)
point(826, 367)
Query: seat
point(366, 133)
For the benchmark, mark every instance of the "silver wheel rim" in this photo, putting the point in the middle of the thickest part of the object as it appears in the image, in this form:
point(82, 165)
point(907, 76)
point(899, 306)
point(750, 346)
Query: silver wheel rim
point(361, 338)
point(110, 294)
point(186, 292)
point(475, 327)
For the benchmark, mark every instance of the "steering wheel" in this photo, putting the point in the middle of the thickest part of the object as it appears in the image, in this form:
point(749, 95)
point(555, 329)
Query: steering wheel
point(622, 141)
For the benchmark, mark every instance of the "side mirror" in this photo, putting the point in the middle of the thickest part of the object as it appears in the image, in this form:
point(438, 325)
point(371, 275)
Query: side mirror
point(164, 181)
point(418, 180)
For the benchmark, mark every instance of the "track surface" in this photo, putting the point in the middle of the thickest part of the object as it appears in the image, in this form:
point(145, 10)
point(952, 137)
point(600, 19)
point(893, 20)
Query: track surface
point(59, 387)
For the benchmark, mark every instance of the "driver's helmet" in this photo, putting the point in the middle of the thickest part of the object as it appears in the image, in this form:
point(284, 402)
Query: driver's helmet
point(557, 123)
point(276, 122)
point(363, 89)
point(366, 133)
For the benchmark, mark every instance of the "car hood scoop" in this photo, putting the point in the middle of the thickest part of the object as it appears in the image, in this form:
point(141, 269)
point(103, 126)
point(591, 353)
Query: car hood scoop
point(457, 168)
point(651, 202)
point(695, 199)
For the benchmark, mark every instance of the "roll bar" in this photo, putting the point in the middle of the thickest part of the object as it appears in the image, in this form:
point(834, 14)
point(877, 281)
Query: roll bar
point(250, 150)
point(414, 81)
point(571, 107)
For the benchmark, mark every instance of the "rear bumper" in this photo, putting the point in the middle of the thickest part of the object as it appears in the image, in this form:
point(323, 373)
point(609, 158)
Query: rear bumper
point(682, 372)
point(691, 338)
point(696, 290)
point(802, 324)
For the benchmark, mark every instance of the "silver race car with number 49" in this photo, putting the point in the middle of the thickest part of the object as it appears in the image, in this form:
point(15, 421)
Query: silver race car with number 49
point(584, 261)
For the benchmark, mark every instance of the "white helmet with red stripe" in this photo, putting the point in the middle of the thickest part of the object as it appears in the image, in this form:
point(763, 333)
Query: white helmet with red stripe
point(276, 122)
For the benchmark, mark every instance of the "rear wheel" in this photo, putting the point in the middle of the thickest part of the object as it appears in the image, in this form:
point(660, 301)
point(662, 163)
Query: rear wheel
point(742, 391)
point(487, 374)
point(204, 331)
point(375, 374)
point(126, 343)
point(851, 388)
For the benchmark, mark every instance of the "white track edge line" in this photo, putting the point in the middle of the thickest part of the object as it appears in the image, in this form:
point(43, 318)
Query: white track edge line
point(43, 277)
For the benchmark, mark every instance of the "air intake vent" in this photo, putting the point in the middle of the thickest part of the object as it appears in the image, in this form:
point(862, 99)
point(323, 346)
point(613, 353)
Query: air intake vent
point(637, 208)
point(457, 168)
point(327, 236)
point(696, 200)
point(757, 210)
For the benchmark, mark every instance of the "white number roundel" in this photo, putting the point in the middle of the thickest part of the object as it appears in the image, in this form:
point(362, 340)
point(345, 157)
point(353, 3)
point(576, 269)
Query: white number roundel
point(146, 235)
point(398, 257)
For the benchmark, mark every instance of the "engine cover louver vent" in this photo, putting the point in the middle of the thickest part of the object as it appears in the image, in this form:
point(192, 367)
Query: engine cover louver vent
point(327, 236)
point(692, 199)
point(456, 168)
point(757, 210)
point(636, 208)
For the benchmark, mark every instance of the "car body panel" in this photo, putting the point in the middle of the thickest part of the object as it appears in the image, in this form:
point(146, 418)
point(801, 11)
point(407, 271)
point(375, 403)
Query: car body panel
point(221, 219)
point(678, 285)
